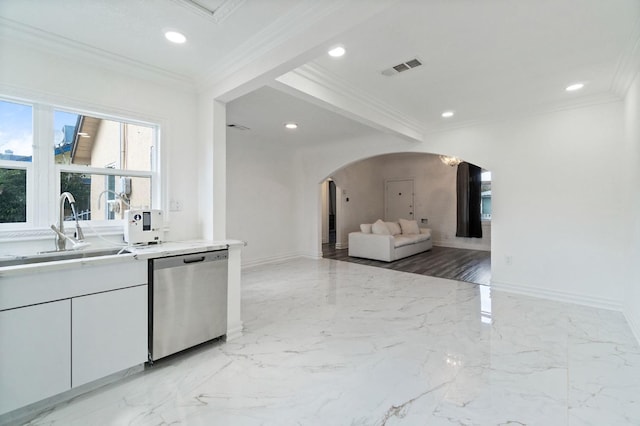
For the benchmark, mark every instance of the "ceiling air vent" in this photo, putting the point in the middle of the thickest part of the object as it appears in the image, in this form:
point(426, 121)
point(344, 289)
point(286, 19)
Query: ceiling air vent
point(238, 126)
point(396, 69)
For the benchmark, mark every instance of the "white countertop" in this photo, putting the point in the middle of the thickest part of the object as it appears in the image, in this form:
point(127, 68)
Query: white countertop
point(181, 247)
point(135, 253)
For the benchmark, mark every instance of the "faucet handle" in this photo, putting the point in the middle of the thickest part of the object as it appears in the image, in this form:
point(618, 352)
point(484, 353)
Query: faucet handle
point(79, 234)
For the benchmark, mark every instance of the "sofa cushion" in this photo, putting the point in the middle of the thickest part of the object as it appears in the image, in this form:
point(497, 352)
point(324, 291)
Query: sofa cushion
point(405, 240)
point(409, 226)
point(380, 228)
point(365, 228)
point(394, 228)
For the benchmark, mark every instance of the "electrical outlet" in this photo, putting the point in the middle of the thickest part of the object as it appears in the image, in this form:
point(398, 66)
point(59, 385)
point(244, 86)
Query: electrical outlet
point(423, 220)
point(508, 260)
point(175, 206)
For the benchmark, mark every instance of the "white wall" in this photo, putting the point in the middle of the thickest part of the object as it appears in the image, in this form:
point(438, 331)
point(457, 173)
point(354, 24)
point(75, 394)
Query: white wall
point(561, 197)
point(262, 208)
point(632, 127)
point(35, 74)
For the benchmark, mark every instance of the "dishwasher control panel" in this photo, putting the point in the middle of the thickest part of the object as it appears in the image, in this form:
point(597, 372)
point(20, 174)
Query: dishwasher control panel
point(220, 255)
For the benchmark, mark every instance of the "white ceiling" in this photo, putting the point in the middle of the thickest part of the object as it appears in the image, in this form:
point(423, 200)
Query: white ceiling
point(484, 59)
point(265, 111)
point(134, 29)
point(488, 58)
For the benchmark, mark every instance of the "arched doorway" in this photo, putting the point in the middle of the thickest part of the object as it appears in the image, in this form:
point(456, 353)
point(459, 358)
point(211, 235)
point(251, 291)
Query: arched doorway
point(362, 199)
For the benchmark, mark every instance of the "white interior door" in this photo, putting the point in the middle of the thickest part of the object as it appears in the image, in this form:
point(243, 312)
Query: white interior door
point(398, 199)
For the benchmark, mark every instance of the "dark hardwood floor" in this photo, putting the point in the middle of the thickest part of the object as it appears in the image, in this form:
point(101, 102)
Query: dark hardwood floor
point(473, 266)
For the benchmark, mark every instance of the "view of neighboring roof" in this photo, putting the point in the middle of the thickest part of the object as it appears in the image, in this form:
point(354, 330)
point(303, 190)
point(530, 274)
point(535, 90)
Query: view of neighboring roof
point(8, 155)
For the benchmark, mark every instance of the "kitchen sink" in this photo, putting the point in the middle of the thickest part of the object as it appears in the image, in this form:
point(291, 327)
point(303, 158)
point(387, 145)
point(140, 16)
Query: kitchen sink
point(60, 255)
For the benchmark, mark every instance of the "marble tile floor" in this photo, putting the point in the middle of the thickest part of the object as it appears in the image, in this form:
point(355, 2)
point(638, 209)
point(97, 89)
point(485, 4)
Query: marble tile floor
point(337, 343)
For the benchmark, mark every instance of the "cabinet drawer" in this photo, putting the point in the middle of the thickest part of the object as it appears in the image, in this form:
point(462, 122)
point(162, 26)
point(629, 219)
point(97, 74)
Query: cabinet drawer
point(109, 333)
point(35, 354)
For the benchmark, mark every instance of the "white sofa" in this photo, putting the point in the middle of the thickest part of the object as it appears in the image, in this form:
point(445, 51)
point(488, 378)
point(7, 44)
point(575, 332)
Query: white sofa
point(389, 241)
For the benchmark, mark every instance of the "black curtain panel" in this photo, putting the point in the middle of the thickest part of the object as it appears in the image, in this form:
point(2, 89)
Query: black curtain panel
point(468, 184)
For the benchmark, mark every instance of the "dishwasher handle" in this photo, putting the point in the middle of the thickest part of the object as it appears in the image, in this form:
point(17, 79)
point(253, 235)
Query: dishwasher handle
point(193, 260)
point(188, 260)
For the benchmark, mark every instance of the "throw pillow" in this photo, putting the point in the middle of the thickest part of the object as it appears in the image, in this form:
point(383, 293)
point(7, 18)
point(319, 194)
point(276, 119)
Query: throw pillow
point(380, 228)
point(365, 228)
point(394, 228)
point(409, 226)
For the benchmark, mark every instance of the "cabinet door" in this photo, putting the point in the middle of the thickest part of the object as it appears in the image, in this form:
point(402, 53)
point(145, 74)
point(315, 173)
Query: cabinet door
point(109, 333)
point(35, 353)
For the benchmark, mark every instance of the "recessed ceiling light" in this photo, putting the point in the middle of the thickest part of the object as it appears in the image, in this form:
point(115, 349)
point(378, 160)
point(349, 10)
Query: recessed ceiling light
point(574, 87)
point(337, 51)
point(291, 126)
point(447, 114)
point(175, 37)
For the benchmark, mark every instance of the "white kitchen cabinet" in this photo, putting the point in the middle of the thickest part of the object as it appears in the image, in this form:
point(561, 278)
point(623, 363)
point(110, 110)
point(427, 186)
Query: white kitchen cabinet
point(109, 333)
point(35, 353)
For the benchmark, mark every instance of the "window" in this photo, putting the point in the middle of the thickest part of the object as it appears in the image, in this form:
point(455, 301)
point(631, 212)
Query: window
point(485, 196)
point(16, 156)
point(107, 164)
point(111, 150)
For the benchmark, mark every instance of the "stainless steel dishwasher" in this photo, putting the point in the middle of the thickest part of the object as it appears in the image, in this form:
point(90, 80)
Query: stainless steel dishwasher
point(187, 301)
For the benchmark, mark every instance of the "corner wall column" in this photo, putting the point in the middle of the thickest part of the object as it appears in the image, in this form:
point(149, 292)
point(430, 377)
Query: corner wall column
point(213, 168)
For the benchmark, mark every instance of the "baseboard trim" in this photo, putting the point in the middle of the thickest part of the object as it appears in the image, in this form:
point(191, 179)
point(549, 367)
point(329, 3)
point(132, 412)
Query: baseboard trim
point(281, 258)
point(270, 259)
point(340, 246)
point(559, 296)
point(234, 332)
point(634, 324)
point(458, 245)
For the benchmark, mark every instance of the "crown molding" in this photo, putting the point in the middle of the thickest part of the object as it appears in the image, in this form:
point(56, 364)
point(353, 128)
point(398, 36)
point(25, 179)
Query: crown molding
point(628, 64)
point(275, 34)
point(52, 43)
point(333, 82)
point(340, 88)
point(523, 114)
point(218, 15)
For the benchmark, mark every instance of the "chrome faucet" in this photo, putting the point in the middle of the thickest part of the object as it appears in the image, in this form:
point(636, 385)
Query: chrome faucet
point(121, 196)
point(62, 238)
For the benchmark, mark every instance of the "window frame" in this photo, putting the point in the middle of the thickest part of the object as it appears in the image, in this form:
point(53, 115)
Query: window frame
point(43, 174)
point(486, 219)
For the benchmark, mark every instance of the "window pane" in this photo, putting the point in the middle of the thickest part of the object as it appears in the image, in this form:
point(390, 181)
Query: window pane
point(64, 125)
point(105, 197)
point(13, 195)
point(97, 142)
point(16, 132)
